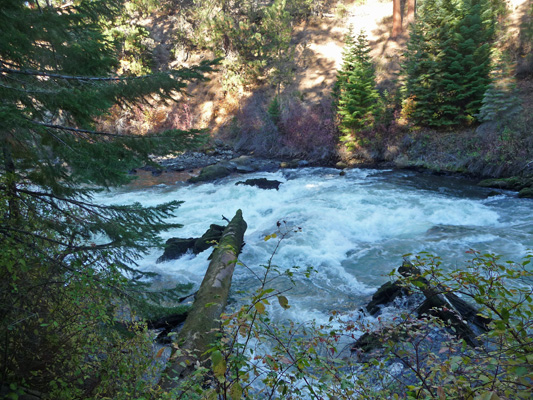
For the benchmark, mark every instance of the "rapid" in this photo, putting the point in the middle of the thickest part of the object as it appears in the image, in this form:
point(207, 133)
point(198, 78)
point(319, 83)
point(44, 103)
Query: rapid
point(354, 229)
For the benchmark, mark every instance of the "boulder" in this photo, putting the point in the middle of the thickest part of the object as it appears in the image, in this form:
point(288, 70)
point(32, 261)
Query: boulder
point(341, 165)
point(526, 193)
point(384, 295)
point(176, 247)
point(212, 172)
point(261, 183)
point(245, 164)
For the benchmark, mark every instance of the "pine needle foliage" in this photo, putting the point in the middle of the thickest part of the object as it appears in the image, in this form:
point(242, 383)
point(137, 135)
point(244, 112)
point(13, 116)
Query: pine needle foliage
point(66, 263)
point(355, 89)
point(56, 77)
point(448, 61)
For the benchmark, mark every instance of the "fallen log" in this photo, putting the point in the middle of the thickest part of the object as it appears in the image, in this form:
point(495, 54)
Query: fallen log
point(203, 322)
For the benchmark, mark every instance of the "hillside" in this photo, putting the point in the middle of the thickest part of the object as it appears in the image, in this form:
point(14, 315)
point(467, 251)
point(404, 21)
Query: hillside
point(238, 112)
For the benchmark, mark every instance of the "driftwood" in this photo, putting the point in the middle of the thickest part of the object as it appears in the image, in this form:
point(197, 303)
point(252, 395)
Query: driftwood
point(203, 321)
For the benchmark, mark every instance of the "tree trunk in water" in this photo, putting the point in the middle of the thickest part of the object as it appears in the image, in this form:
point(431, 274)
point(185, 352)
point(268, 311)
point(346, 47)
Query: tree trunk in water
point(411, 12)
point(203, 321)
point(396, 19)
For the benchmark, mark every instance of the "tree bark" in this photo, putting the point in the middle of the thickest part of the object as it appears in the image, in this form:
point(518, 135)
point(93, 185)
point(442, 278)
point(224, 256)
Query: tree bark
point(203, 322)
point(411, 12)
point(396, 19)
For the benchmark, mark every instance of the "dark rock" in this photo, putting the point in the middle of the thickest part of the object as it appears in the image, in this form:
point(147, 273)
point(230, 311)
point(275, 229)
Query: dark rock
point(213, 234)
point(436, 305)
point(167, 324)
point(408, 270)
point(261, 183)
point(526, 193)
point(168, 321)
point(342, 173)
point(212, 172)
point(367, 343)
point(176, 247)
point(493, 193)
point(385, 295)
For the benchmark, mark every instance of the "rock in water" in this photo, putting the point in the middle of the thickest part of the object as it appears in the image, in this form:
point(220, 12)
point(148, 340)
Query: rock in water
point(385, 295)
point(213, 234)
point(261, 183)
point(212, 172)
point(176, 247)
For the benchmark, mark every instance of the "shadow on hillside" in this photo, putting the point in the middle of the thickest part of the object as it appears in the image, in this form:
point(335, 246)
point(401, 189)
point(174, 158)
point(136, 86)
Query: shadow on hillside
point(524, 56)
point(387, 53)
point(318, 46)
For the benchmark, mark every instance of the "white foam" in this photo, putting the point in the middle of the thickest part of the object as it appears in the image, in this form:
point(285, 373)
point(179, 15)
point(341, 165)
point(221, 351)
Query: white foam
point(354, 227)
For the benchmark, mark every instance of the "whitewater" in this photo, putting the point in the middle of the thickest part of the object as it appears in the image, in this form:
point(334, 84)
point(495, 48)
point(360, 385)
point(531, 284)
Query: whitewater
point(354, 229)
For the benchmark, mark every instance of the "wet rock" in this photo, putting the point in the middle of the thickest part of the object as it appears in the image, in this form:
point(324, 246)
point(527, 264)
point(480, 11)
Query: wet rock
point(261, 183)
point(213, 234)
point(384, 295)
point(176, 247)
point(526, 193)
point(462, 318)
point(167, 324)
point(212, 172)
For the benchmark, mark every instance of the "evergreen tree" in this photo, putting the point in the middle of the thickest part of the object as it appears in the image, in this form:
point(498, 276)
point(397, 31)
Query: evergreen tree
point(500, 101)
point(356, 88)
point(447, 62)
point(56, 77)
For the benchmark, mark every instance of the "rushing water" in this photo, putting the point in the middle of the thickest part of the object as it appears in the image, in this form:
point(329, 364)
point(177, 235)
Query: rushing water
point(354, 228)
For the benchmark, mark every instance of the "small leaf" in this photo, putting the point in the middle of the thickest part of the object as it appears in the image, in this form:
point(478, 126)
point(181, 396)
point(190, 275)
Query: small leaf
point(219, 364)
point(488, 396)
point(260, 307)
point(283, 302)
point(236, 391)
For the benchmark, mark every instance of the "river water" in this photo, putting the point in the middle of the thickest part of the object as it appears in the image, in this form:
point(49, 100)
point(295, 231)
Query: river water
point(354, 229)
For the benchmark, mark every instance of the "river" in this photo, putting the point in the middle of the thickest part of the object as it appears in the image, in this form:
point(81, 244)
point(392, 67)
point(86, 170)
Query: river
point(354, 228)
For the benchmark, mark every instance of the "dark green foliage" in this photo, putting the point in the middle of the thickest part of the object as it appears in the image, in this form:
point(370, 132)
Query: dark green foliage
point(66, 263)
point(500, 101)
point(274, 110)
point(356, 88)
point(447, 62)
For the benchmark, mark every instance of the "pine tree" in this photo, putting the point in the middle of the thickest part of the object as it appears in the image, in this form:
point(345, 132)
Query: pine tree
point(64, 259)
point(356, 88)
point(500, 101)
point(56, 78)
point(447, 62)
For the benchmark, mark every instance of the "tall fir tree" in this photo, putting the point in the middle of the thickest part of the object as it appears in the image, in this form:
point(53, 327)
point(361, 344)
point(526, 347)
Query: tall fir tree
point(64, 259)
point(356, 88)
point(447, 62)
